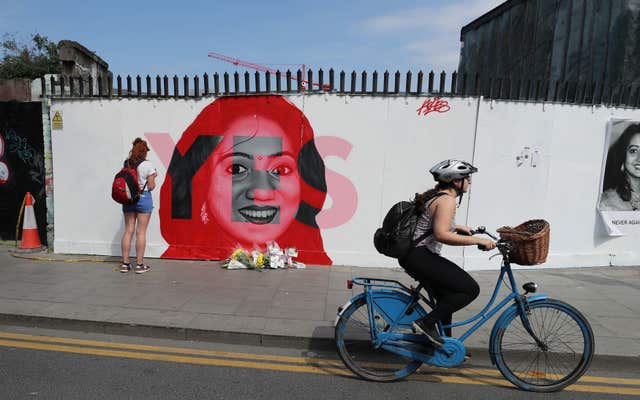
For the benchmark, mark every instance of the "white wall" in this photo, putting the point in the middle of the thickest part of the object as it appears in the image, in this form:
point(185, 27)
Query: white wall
point(563, 188)
point(392, 149)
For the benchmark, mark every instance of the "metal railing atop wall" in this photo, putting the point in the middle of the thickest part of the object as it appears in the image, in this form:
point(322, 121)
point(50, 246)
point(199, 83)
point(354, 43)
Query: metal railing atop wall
point(385, 84)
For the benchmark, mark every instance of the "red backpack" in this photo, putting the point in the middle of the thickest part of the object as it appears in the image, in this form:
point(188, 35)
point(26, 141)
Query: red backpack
point(125, 188)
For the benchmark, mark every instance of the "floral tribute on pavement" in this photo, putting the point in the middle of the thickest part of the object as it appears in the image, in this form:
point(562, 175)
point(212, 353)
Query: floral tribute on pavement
point(273, 258)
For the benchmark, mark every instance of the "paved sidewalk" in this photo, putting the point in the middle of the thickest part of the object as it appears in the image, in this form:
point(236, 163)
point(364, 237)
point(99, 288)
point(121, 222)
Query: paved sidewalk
point(198, 300)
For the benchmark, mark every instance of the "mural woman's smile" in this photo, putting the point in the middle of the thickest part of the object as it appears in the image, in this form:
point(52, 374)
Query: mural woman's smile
point(259, 214)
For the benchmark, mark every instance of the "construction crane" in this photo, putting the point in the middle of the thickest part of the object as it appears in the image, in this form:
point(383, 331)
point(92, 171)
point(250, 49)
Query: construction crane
point(262, 68)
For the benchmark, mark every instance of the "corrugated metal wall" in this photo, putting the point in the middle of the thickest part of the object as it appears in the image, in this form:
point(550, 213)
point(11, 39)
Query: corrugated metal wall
point(556, 40)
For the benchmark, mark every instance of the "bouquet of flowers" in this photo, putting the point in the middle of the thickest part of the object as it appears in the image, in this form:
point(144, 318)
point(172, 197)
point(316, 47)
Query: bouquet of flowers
point(239, 259)
point(273, 258)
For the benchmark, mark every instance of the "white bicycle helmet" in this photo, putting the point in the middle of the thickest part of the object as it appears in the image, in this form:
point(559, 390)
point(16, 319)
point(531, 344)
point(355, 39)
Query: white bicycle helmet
point(448, 171)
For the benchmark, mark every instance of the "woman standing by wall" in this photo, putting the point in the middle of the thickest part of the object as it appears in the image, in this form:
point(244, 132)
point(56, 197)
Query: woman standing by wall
point(138, 214)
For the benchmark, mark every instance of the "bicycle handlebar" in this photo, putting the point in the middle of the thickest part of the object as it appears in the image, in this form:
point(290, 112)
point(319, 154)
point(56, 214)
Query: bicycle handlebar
point(503, 246)
point(481, 230)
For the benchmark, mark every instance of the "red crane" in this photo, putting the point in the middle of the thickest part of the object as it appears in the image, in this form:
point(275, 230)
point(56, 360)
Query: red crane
point(262, 68)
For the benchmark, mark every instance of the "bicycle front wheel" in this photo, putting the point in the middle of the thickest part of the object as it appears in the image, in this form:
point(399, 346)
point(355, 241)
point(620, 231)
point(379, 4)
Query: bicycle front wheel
point(355, 347)
point(560, 358)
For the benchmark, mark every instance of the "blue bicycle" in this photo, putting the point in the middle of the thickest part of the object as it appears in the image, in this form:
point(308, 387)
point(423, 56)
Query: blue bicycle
point(538, 344)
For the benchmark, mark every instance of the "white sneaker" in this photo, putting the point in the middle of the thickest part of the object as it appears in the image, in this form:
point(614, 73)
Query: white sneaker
point(141, 268)
point(124, 268)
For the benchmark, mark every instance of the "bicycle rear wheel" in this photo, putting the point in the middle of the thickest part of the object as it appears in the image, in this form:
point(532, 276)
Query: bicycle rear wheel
point(355, 347)
point(562, 357)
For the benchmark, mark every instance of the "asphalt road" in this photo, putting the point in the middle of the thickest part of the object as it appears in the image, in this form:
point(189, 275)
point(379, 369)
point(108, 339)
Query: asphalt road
point(54, 364)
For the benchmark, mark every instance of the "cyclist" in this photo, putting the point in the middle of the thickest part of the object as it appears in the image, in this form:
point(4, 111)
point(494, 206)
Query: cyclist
point(452, 287)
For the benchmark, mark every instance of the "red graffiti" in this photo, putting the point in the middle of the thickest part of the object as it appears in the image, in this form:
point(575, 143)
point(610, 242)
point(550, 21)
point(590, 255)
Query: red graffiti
point(434, 105)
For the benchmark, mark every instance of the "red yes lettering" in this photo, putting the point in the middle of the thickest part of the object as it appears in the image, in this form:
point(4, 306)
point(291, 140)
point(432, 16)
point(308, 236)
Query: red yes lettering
point(340, 188)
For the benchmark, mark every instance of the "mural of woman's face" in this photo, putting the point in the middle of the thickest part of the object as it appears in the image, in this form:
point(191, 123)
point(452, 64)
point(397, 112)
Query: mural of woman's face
point(255, 188)
point(632, 157)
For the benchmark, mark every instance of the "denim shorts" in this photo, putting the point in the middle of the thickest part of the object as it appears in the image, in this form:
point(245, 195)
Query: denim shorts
point(144, 205)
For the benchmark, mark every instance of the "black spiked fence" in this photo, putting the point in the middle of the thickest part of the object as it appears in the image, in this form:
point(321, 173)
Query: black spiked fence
point(620, 94)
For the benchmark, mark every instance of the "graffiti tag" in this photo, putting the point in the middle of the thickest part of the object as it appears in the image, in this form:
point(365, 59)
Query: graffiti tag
point(20, 147)
point(528, 157)
point(435, 104)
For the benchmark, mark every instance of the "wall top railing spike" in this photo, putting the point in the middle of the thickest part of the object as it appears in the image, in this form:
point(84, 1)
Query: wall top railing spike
point(281, 82)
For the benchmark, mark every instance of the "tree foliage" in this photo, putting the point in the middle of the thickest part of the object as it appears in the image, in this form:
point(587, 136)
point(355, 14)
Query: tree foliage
point(21, 61)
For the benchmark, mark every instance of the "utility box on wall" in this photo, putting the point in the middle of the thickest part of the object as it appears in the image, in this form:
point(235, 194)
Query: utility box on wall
point(591, 41)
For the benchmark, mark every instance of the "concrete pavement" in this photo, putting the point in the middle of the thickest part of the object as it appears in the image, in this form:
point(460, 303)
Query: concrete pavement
point(198, 300)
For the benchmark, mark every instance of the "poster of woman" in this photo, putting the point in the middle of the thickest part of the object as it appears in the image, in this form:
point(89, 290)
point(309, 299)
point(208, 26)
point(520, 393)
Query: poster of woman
point(245, 172)
point(619, 203)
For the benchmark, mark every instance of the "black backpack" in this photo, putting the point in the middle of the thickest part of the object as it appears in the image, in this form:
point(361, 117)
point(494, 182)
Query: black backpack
point(395, 237)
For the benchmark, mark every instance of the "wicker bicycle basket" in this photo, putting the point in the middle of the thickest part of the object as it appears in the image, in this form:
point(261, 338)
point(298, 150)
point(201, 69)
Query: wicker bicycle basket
point(530, 241)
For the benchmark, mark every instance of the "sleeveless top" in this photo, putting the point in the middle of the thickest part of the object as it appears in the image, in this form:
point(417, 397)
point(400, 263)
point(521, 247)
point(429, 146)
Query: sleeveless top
point(425, 223)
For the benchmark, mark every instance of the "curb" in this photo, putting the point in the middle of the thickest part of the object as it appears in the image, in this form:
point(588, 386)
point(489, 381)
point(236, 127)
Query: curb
point(203, 335)
point(167, 332)
point(41, 249)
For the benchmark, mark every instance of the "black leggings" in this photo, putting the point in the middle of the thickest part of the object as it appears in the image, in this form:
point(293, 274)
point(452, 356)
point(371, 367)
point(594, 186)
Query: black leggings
point(451, 286)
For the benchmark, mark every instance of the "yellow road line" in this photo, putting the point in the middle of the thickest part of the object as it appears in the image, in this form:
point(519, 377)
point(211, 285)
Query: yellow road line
point(572, 388)
point(583, 379)
point(223, 362)
point(317, 366)
point(283, 367)
point(505, 383)
point(173, 350)
point(603, 389)
point(266, 357)
point(170, 358)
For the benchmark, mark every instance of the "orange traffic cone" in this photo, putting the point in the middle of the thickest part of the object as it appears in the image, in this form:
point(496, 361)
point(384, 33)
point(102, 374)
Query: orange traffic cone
point(30, 236)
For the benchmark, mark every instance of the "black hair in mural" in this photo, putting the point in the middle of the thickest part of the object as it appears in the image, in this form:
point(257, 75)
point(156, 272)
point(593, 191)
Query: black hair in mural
point(312, 172)
point(183, 168)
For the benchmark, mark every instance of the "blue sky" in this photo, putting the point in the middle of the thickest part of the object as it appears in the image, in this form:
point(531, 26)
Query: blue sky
point(173, 37)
